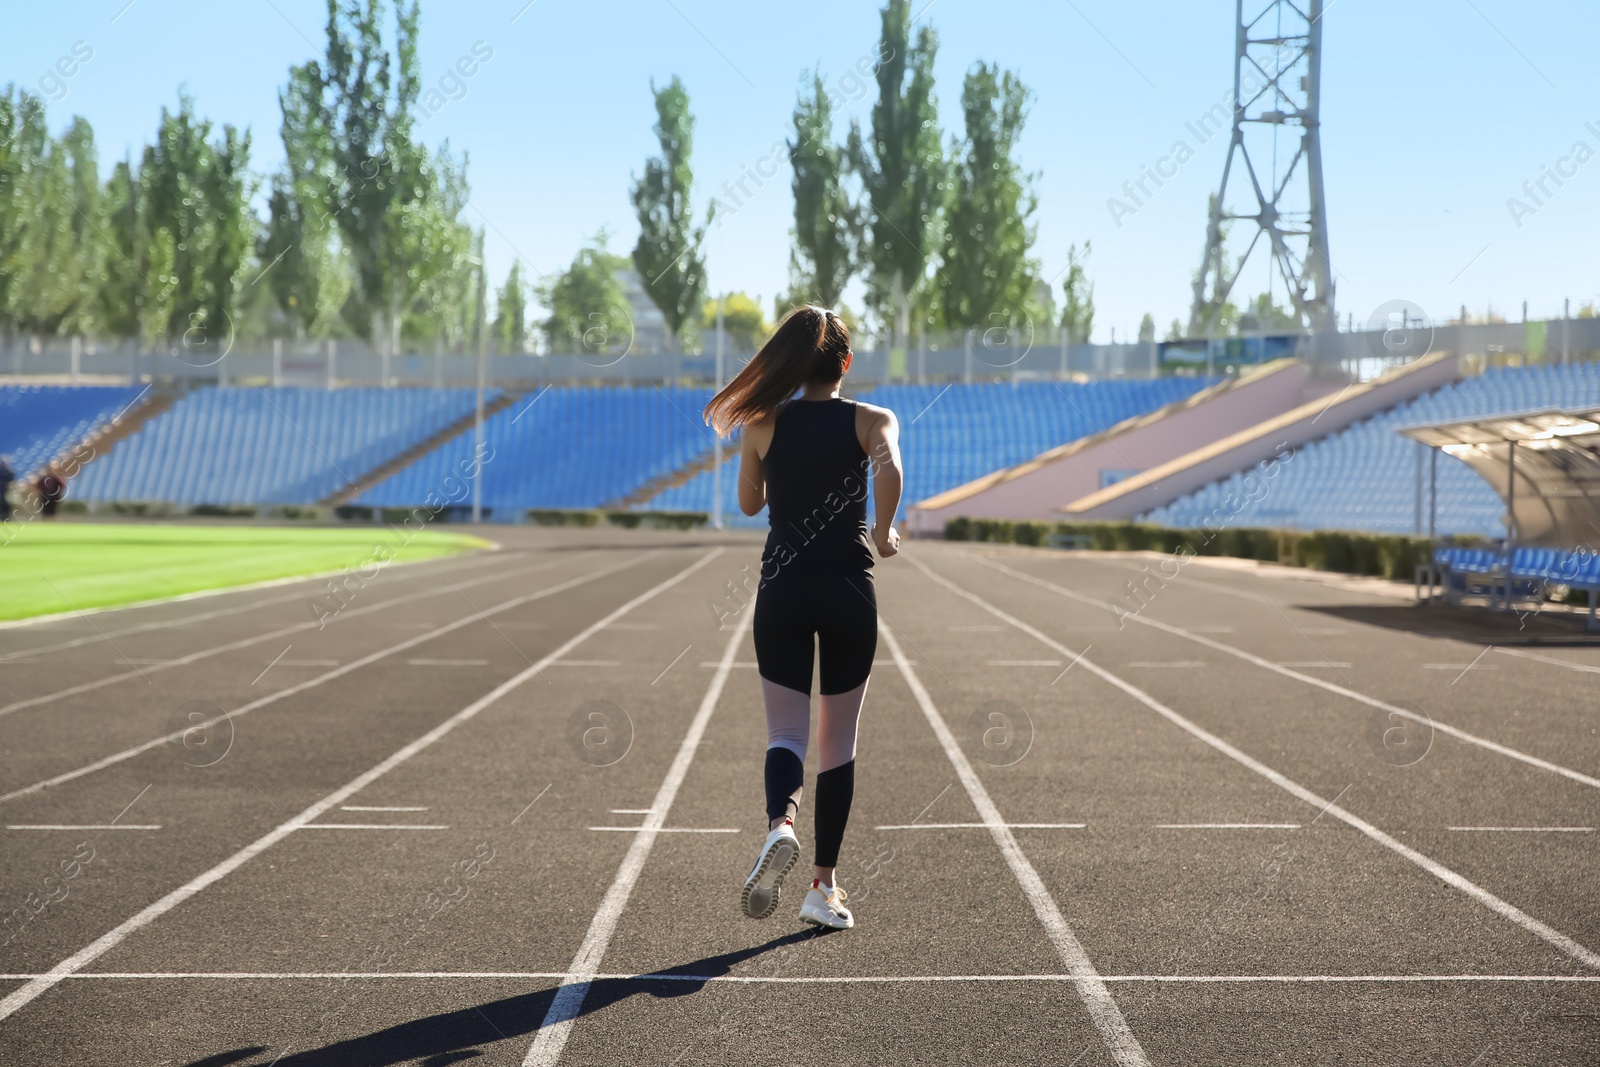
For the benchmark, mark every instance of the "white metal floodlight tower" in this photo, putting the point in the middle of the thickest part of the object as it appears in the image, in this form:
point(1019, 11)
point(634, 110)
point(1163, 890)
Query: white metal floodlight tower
point(1273, 174)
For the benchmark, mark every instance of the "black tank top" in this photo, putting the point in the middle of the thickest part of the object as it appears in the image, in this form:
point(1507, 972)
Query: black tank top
point(817, 475)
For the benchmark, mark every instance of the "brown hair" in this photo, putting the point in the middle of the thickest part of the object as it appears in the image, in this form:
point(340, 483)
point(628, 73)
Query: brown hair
point(809, 346)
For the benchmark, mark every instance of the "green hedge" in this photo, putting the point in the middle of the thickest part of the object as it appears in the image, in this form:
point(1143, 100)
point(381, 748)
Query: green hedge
point(658, 520)
point(1378, 555)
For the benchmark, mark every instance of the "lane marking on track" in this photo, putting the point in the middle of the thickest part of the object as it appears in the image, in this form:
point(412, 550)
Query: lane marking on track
point(669, 829)
point(1553, 660)
point(1525, 829)
point(984, 826)
point(567, 1003)
point(22, 996)
point(479, 555)
point(1181, 664)
point(311, 683)
point(82, 826)
point(1102, 1009)
point(449, 663)
point(1227, 826)
point(365, 807)
point(1023, 663)
point(232, 646)
point(1505, 910)
point(1323, 664)
point(630, 811)
point(736, 979)
point(1309, 679)
point(371, 826)
point(588, 662)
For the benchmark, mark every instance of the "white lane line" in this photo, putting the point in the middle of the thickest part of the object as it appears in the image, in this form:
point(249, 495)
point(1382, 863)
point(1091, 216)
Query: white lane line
point(1023, 663)
point(1321, 683)
point(588, 663)
point(1552, 660)
point(630, 811)
point(371, 826)
point(232, 646)
point(1227, 826)
point(310, 663)
point(449, 663)
point(311, 683)
point(669, 829)
point(637, 626)
point(751, 665)
point(976, 629)
point(1462, 667)
point(20, 997)
point(569, 996)
point(364, 807)
point(1229, 630)
point(81, 826)
point(1525, 829)
point(1181, 664)
point(1507, 911)
point(1125, 1048)
point(984, 826)
point(1319, 664)
point(736, 979)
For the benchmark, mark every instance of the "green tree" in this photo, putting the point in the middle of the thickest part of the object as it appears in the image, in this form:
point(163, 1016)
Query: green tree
point(1077, 311)
point(987, 276)
point(588, 309)
point(1263, 314)
point(300, 251)
point(742, 320)
point(395, 205)
point(51, 251)
point(827, 226)
point(510, 329)
point(1147, 328)
point(668, 254)
point(902, 169)
point(198, 191)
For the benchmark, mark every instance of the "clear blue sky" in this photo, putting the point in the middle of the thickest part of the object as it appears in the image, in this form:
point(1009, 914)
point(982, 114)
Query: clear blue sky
point(1435, 112)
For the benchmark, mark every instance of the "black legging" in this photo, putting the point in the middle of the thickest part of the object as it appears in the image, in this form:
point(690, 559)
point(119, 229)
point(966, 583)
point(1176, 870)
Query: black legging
point(802, 615)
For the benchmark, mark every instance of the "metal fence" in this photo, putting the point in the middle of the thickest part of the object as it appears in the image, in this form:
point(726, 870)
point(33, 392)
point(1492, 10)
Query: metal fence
point(331, 364)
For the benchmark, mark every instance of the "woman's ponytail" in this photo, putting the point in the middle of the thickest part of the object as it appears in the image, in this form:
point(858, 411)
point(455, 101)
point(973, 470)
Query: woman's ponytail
point(809, 346)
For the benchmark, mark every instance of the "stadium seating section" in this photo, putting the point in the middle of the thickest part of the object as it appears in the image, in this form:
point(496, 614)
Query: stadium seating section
point(268, 446)
point(1364, 477)
point(39, 423)
point(951, 434)
point(565, 448)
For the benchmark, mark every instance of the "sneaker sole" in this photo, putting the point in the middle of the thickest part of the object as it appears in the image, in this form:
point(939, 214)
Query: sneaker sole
point(809, 921)
point(775, 865)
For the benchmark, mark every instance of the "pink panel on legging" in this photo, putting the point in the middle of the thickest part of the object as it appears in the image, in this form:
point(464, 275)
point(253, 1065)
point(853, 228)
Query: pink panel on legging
point(837, 718)
point(789, 722)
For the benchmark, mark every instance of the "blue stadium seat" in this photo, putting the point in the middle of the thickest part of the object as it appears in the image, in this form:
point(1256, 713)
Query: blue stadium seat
point(39, 423)
point(268, 446)
point(1363, 478)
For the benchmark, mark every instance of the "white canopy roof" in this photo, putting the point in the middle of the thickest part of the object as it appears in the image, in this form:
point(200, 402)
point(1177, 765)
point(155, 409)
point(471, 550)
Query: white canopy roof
point(1554, 495)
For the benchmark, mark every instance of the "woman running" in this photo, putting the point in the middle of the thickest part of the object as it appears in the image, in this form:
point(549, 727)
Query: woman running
point(808, 459)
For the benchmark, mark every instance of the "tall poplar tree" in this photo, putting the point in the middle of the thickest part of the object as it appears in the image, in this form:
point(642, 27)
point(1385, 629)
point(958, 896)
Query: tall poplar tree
point(669, 254)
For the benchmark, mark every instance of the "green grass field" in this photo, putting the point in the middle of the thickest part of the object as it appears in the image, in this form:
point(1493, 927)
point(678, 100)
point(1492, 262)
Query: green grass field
point(49, 568)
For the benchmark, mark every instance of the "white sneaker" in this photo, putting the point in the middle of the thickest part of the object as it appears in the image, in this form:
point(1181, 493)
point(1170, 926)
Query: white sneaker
point(825, 907)
point(762, 888)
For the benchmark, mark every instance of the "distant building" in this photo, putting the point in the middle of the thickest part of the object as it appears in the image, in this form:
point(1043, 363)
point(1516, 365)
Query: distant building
point(649, 325)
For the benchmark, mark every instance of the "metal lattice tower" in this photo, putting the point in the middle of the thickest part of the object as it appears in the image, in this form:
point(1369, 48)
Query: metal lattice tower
point(1276, 183)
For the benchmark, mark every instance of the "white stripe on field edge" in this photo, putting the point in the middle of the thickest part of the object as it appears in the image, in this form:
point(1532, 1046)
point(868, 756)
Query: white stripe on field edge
point(23, 995)
point(1125, 1048)
point(1500, 907)
point(568, 1000)
point(887, 979)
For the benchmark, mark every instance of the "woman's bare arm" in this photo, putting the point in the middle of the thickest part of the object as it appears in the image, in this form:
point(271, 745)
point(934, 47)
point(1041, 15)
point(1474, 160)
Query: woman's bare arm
point(882, 444)
point(752, 478)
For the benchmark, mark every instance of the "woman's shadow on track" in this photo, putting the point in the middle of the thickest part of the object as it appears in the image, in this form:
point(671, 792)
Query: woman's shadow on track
point(455, 1036)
